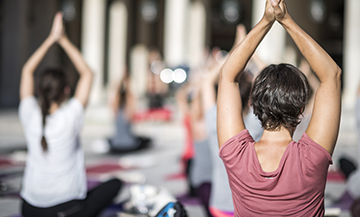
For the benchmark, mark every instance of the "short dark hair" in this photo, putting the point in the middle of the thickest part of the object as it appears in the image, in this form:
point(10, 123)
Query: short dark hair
point(279, 96)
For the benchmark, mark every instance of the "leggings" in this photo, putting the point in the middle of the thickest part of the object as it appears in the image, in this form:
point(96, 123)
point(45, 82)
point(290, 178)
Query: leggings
point(96, 200)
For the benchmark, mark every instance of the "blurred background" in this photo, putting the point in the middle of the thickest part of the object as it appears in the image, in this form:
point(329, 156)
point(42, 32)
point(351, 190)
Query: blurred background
point(113, 34)
point(157, 42)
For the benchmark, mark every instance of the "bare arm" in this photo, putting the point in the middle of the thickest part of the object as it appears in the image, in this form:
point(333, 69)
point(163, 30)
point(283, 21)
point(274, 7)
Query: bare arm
point(229, 112)
point(84, 84)
point(27, 73)
point(208, 93)
point(314, 84)
point(325, 120)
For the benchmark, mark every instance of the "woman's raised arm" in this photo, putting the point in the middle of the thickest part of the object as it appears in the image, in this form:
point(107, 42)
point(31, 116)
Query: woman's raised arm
point(325, 120)
point(229, 108)
point(27, 72)
point(86, 75)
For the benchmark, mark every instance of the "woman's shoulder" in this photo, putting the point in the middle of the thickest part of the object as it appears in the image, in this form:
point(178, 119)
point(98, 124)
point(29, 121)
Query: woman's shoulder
point(27, 107)
point(71, 109)
point(74, 105)
point(29, 101)
point(239, 141)
point(311, 149)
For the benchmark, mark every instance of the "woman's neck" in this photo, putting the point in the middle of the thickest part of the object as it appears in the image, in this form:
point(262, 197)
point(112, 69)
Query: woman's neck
point(53, 107)
point(281, 136)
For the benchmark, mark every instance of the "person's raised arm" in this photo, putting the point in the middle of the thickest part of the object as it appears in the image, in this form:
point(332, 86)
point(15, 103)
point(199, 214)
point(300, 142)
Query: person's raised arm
point(27, 73)
point(325, 120)
point(86, 75)
point(208, 93)
point(229, 108)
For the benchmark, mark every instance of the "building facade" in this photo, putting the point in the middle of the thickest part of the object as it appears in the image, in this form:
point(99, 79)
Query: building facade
point(119, 35)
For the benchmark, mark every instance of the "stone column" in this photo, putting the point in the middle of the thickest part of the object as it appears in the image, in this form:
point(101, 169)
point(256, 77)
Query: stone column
point(272, 48)
point(139, 66)
point(351, 67)
point(92, 44)
point(175, 31)
point(196, 32)
point(117, 42)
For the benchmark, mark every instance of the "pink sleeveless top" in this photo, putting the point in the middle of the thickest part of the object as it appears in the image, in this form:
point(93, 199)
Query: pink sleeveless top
point(295, 188)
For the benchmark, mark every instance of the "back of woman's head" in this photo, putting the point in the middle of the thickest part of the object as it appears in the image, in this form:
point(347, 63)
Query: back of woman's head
point(51, 86)
point(279, 96)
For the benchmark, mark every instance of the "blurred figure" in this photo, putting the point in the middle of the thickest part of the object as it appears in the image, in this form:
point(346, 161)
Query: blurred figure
point(221, 203)
point(156, 89)
point(54, 182)
point(199, 167)
point(124, 107)
point(306, 116)
point(351, 196)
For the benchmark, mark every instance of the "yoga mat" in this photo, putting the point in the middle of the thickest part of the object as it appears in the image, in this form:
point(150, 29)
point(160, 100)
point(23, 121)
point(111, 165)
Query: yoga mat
point(335, 176)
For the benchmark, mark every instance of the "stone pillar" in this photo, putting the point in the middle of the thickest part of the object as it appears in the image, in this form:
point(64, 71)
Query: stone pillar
point(351, 67)
point(175, 31)
point(272, 48)
point(117, 42)
point(139, 66)
point(92, 45)
point(196, 32)
point(14, 51)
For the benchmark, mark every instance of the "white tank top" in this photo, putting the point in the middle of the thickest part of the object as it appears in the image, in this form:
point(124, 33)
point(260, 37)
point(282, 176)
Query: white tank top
point(58, 175)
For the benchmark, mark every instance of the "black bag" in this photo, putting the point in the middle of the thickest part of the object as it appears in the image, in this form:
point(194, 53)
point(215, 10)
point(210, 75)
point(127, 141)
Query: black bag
point(172, 210)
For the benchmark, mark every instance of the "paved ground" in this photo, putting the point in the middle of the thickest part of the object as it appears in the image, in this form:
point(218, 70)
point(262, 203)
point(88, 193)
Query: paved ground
point(158, 162)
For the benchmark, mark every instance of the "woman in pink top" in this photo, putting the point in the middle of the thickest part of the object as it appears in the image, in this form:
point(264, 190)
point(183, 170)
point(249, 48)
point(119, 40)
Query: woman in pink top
point(277, 176)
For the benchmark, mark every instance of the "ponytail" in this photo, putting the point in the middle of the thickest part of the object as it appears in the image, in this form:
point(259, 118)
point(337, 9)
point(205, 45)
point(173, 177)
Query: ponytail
point(45, 106)
point(50, 90)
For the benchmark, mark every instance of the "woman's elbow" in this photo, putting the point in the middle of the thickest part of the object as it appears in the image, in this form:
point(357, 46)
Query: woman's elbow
point(223, 76)
point(337, 76)
point(338, 73)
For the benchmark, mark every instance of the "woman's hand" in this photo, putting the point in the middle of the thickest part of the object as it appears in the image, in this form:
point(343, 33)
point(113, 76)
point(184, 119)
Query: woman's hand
point(57, 30)
point(280, 10)
point(27, 78)
point(269, 13)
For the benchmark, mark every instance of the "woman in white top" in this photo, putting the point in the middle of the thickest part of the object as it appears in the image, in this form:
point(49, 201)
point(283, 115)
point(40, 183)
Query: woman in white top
point(54, 182)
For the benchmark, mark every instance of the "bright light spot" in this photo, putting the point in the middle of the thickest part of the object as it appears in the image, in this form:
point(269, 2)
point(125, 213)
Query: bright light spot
point(317, 9)
point(231, 14)
point(166, 75)
point(231, 10)
point(179, 76)
point(156, 67)
point(69, 11)
point(149, 11)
